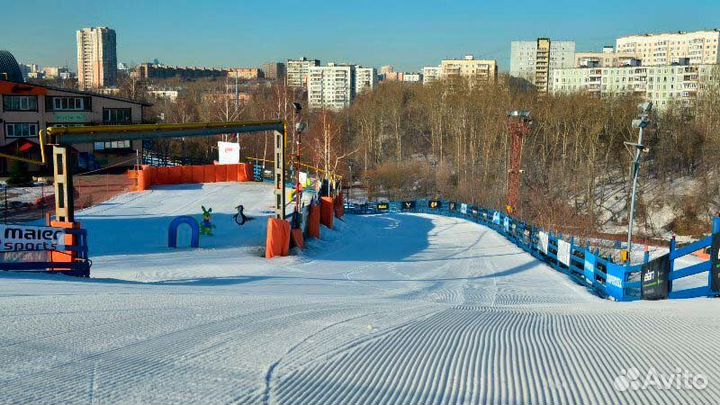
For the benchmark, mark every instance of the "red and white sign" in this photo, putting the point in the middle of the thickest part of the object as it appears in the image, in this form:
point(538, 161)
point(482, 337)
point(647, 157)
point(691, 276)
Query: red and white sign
point(229, 153)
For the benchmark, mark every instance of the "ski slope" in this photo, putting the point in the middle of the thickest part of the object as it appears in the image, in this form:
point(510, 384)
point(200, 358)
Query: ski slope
point(386, 309)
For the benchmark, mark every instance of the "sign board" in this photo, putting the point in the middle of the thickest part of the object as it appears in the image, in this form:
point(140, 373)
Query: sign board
point(19, 238)
point(383, 207)
point(496, 218)
point(464, 208)
point(654, 278)
point(434, 204)
point(408, 205)
point(543, 241)
point(589, 268)
point(229, 153)
point(563, 252)
point(452, 206)
point(302, 176)
point(474, 211)
point(715, 263)
point(506, 224)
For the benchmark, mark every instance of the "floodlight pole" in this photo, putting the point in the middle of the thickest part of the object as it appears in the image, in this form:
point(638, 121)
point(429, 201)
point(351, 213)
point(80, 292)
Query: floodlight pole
point(639, 123)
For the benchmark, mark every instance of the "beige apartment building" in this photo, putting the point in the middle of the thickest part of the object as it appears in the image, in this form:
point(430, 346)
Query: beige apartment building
point(607, 58)
point(469, 67)
point(700, 47)
point(96, 58)
point(298, 70)
point(28, 108)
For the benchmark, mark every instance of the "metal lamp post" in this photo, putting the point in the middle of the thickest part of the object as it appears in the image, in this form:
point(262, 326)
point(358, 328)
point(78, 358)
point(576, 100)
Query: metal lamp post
point(641, 123)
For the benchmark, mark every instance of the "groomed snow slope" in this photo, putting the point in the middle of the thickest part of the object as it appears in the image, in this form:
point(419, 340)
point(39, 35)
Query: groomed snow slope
point(389, 309)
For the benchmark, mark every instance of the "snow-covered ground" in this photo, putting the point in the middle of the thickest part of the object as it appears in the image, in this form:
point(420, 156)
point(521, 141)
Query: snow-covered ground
point(388, 309)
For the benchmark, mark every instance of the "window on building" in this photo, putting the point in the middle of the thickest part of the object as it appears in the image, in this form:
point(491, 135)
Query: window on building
point(68, 104)
point(103, 146)
point(21, 129)
point(117, 116)
point(20, 103)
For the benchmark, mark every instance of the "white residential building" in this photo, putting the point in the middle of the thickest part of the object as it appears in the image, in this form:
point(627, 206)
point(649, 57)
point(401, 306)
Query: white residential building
point(533, 60)
point(469, 67)
point(413, 77)
point(96, 58)
point(607, 58)
point(701, 47)
point(366, 78)
point(298, 70)
point(431, 73)
point(331, 87)
point(663, 85)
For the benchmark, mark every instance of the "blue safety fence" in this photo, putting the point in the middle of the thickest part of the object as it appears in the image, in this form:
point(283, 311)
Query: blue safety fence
point(615, 281)
point(40, 260)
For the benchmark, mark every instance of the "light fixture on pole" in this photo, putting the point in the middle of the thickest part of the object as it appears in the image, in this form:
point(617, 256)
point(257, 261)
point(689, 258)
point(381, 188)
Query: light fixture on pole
point(640, 123)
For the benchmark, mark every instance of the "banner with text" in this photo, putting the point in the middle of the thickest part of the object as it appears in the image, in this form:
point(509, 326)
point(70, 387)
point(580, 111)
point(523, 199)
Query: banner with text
point(19, 238)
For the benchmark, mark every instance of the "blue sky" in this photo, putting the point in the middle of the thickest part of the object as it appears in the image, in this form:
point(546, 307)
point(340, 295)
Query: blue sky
point(405, 34)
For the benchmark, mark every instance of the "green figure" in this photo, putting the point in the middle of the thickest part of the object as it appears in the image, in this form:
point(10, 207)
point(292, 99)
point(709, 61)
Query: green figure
point(206, 226)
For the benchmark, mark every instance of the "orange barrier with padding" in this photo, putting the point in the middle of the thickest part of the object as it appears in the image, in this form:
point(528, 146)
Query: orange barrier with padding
point(149, 176)
point(314, 222)
point(296, 237)
point(70, 240)
point(339, 206)
point(221, 173)
point(327, 211)
point(278, 238)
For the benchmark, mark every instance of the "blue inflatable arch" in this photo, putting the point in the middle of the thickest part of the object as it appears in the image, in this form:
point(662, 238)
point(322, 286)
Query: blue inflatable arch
point(194, 227)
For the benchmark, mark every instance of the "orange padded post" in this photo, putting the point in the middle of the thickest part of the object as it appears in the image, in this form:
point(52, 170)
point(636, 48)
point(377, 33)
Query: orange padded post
point(296, 237)
point(245, 172)
point(278, 238)
point(175, 175)
point(314, 222)
point(70, 240)
point(339, 206)
point(327, 211)
point(197, 174)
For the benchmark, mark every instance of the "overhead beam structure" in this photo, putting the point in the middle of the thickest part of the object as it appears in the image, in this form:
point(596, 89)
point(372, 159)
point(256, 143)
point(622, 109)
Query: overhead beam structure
point(61, 138)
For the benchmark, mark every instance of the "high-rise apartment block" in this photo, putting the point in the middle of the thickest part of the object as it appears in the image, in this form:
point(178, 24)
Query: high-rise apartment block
point(471, 68)
point(533, 60)
point(366, 78)
point(97, 58)
point(430, 74)
point(701, 47)
point(298, 71)
point(607, 58)
point(274, 71)
point(331, 86)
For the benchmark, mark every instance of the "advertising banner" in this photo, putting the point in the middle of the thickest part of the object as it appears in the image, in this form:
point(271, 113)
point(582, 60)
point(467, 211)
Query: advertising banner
point(408, 205)
point(496, 218)
point(464, 208)
point(506, 224)
point(589, 268)
point(543, 242)
point(563, 252)
point(434, 204)
point(654, 278)
point(18, 238)
point(452, 206)
point(383, 207)
point(229, 153)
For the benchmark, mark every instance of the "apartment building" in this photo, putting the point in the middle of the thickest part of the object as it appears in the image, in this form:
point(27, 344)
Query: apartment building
point(534, 60)
point(28, 108)
point(274, 71)
point(430, 74)
point(331, 87)
point(245, 73)
point(413, 77)
point(607, 58)
point(663, 85)
point(471, 68)
point(366, 78)
point(298, 71)
point(158, 71)
point(700, 47)
point(96, 58)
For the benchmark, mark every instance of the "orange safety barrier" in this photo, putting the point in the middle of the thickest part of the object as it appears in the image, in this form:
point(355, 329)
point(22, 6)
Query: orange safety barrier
point(327, 211)
point(67, 256)
point(278, 238)
point(314, 222)
point(296, 237)
point(339, 206)
point(221, 173)
point(149, 176)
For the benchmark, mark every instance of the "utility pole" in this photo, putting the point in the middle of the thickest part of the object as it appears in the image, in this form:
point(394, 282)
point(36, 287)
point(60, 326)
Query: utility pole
point(300, 127)
point(641, 123)
point(519, 127)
